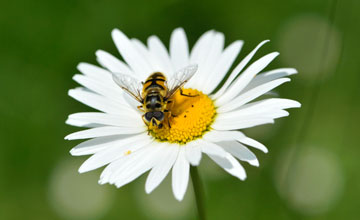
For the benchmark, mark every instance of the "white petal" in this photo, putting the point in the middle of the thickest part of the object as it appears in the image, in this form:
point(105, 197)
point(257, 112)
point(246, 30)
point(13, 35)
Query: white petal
point(251, 95)
point(136, 164)
point(241, 124)
point(179, 49)
point(180, 175)
point(269, 76)
point(193, 153)
point(104, 131)
point(217, 136)
point(95, 101)
point(244, 79)
point(143, 50)
point(213, 54)
point(212, 149)
point(247, 113)
point(222, 66)
point(161, 168)
point(132, 57)
point(197, 52)
point(240, 151)
point(115, 152)
point(259, 110)
point(237, 70)
point(133, 104)
point(276, 114)
point(260, 107)
point(206, 64)
point(159, 52)
point(108, 89)
point(112, 63)
point(95, 72)
point(198, 56)
point(97, 144)
point(254, 143)
point(235, 169)
point(83, 124)
point(130, 121)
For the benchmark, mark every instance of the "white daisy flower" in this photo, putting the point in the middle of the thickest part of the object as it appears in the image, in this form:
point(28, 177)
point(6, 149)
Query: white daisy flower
point(209, 122)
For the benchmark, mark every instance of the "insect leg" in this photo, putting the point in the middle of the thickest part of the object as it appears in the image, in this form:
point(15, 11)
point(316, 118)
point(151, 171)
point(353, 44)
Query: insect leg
point(143, 118)
point(167, 111)
point(187, 95)
point(140, 107)
point(169, 123)
point(170, 103)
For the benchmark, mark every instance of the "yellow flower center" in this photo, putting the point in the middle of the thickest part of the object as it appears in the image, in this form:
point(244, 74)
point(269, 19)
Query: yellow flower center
point(191, 118)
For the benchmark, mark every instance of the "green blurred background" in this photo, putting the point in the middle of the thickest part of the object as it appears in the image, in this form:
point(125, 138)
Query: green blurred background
point(311, 171)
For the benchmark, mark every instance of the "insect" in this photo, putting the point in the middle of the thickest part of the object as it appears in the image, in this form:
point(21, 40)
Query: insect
point(155, 93)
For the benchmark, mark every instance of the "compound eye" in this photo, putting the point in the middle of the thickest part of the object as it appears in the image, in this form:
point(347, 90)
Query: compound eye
point(157, 105)
point(158, 115)
point(148, 116)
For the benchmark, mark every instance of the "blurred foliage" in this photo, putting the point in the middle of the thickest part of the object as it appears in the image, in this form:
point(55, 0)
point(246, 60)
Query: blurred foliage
point(43, 41)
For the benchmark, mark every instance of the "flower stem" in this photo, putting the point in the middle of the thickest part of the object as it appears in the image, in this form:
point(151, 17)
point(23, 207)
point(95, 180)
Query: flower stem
point(199, 193)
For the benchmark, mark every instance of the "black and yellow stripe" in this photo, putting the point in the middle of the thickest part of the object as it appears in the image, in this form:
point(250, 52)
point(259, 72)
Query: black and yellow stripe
point(155, 80)
point(154, 90)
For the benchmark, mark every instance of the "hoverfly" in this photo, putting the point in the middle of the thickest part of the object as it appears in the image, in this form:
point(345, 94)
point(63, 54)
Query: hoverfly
point(155, 93)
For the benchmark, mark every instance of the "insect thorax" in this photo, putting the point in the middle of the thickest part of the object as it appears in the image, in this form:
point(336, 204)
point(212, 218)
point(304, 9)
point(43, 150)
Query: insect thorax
point(153, 101)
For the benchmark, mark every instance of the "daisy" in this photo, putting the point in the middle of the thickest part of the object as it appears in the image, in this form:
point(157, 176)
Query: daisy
point(208, 123)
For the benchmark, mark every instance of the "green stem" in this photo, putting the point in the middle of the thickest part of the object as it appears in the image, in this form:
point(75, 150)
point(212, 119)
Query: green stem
point(199, 193)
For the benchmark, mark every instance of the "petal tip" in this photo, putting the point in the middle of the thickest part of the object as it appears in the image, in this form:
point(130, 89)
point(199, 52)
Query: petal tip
point(179, 197)
point(195, 163)
point(255, 163)
point(179, 29)
point(67, 137)
point(99, 52)
point(72, 152)
point(148, 189)
point(115, 31)
point(81, 65)
point(71, 92)
point(81, 169)
point(101, 182)
point(293, 71)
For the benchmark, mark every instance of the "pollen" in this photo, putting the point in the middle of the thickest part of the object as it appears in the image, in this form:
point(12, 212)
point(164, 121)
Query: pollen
point(190, 116)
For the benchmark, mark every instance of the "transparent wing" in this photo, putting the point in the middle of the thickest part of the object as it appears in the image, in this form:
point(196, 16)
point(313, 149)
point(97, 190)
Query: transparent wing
point(179, 79)
point(131, 85)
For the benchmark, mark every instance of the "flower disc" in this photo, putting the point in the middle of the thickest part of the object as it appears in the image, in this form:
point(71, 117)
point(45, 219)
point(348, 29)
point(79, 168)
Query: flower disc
point(191, 118)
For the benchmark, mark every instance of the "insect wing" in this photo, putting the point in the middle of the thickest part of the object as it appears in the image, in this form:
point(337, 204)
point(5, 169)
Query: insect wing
point(129, 84)
point(179, 79)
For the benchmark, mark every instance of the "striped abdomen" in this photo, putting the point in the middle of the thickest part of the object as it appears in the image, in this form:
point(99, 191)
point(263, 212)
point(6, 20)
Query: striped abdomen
point(155, 81)
point(154, 90)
